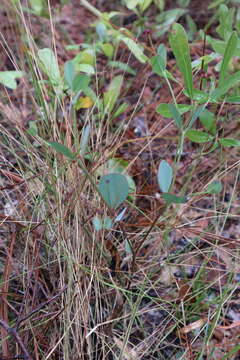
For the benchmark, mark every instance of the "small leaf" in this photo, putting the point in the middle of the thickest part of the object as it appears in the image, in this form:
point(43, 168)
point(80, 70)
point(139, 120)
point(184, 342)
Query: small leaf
point(215, 187)
point(120, 215)
point(69, 73)
point(174, 199)
point(62, 149)
point(114, 189)
point(176, 115)
point(227, 142)
point(8, 78)
point(49, 65)
point(165, 176)
point(179, 44)
point(208, 121)
point(84, 102)
point(198, 136)
point(128, 247)
point(131, 4)
point(84, 139)
point(163, 109)
point(108, 50)
point(101, 30)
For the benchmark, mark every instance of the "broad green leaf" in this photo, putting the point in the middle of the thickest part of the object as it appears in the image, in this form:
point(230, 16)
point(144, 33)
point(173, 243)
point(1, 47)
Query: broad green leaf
point(174, 199)
point(228, 83)
point(227, 142)
point(111, 95)
point(101, 30)
point(207, 119)
point(164, 176)
point(32, 128)
point(8, 78)
point(37, 6)
point(80, 82)
point(176, 115)
point(131, 4)
point(226, 17)
point(135, 48)
point(85, 68)
point(144, 4)
point(114, 189)
point(128, 247)
point(122, 66)
point(198, 136)
point(215, 187)
point(85, 57)
point(179, 44)
point(62, 149)
point(49, 65)
point(69, 73)
point(163, 109)
point(228, 54)
point(108, 50)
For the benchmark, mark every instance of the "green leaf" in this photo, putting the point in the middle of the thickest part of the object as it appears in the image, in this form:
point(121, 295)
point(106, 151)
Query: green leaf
point(160, 60)
point(120, 110)
point(173, 199)
point(62, 149)
point(227, 142)
point(69, 73)
point(108, 50)
point(37, 6)
point(84, 139)
point(207, 119)
point(114, 189)
point(163, 109)
point(228, 83)
point(85, 68)
point(101, 30)
point(122, 66)
point(8, 78)
point(198, 136)
point(111, 95)
point(228, 54)
point(164, 176)
point(131, 4)
point(176, 115)
point(134, 48)
point(49, 65)
point(195, 115)
point(215, 187)
point(179, 44)
point(80, 82)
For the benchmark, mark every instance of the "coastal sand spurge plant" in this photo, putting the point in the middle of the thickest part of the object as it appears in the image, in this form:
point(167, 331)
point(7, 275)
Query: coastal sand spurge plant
point(114, 245)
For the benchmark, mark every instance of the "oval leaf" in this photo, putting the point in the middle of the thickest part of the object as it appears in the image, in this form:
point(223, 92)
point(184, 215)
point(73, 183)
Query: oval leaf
point(165, 175)
point(114, 189)
point(198, 136)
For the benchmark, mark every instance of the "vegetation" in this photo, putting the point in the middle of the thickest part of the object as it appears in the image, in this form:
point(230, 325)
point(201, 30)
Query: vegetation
point(119, 179)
